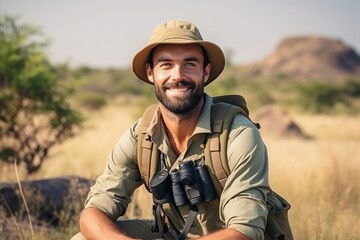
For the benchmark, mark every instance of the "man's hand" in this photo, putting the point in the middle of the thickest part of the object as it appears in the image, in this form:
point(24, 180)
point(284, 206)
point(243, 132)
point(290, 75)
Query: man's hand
point(94, 224)
point(225, 234)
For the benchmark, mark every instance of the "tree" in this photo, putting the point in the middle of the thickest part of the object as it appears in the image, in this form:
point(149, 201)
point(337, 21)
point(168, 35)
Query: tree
point(34, 115)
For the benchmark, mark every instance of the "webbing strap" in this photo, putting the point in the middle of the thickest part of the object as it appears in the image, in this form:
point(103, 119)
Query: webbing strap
point(223, 115)
point(215, 146)
point(189, 222)
point(159, 220)
point(144, 165)
point(147, 150)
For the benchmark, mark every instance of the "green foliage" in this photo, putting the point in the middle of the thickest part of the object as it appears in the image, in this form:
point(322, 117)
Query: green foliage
point(318, 97)
point(34, 115)
point(327, 97)
point(352, 87)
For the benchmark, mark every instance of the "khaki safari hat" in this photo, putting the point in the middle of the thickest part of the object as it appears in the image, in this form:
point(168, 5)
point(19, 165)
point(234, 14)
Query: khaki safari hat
point(178, 32)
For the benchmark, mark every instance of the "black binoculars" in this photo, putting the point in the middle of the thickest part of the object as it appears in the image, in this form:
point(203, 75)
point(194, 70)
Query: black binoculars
point(190, 184)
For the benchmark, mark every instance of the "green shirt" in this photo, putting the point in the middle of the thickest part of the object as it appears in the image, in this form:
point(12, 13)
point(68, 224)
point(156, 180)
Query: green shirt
point(242, 202)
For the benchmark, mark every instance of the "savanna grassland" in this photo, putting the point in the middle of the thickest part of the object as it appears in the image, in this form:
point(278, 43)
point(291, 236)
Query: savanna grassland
point(319, 176)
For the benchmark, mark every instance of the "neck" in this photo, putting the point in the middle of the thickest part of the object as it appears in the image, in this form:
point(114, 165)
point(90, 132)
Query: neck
point(179, 128)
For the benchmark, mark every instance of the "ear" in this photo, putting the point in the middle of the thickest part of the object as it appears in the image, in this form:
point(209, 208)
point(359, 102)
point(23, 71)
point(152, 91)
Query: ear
point(149, 73)
point(207, 71)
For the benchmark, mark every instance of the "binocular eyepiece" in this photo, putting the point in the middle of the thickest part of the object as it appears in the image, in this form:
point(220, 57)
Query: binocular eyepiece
point(190, 184)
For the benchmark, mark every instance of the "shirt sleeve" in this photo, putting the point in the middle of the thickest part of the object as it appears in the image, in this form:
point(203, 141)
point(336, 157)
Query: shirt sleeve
point(242, 202)
point(113, 188)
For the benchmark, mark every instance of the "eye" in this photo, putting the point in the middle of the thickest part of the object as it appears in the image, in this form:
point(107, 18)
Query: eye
point(165, 65)
point(190, 64)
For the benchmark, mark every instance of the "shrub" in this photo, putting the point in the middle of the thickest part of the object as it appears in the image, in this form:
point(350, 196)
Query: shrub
point(319, 97)
point(34, 115)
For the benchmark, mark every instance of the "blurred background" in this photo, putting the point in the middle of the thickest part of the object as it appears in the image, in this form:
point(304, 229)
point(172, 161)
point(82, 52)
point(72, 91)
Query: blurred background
point(67, 93)
point(108, 33)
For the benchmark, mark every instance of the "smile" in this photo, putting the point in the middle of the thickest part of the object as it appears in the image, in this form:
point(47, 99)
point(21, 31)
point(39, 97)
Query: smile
point(178, 89)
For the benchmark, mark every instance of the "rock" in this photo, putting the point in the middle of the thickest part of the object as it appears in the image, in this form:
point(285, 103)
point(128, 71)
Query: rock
point(310, 58)
point(276, 122)
point(48, 200)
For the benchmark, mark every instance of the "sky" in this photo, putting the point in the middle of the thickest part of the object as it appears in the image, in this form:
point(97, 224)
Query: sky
point(107, 33)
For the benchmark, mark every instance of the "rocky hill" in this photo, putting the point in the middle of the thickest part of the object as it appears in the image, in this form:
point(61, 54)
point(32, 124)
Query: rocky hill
point(310, 57)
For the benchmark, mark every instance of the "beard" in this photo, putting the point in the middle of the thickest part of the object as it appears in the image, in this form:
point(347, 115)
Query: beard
point(180, 106)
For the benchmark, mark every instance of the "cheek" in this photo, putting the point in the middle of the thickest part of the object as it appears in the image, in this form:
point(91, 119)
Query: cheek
point(161, 75)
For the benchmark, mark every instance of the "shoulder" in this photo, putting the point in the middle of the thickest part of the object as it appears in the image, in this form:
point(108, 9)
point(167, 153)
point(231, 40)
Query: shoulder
point(245, 145)
point(244, 132)
point(241, 123)
point(128, 139)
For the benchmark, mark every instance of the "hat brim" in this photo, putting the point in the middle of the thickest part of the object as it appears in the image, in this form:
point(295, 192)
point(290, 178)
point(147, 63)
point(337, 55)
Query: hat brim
point(215, 55)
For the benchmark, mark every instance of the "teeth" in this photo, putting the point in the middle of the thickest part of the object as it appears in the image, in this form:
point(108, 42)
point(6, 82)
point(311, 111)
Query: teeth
point(178, 89)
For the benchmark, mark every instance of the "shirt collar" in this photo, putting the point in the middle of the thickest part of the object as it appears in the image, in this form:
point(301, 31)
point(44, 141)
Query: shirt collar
point(204, 123)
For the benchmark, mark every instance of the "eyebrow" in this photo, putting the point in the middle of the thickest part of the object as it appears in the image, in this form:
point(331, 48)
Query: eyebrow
point(163, 59)
point(192, 59)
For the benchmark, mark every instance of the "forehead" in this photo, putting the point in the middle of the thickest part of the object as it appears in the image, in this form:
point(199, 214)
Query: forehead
point(177, 49)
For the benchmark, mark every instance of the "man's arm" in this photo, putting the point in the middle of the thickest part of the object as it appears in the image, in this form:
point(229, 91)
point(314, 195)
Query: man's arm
point(108, 198)
point(225, 234)
point(242, 202)
point(94, 224)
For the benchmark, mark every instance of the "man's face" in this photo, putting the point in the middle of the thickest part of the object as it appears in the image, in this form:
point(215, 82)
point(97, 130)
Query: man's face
point(178, 75)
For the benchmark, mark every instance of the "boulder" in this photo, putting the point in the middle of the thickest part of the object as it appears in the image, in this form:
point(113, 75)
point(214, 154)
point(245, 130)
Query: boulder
point(276, 122)
point(48, 200)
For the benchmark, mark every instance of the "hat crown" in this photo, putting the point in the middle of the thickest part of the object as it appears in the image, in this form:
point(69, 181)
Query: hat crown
point(174, 30)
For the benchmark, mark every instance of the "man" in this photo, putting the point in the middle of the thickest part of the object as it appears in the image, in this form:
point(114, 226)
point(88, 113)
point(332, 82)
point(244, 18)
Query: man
point(179, 63)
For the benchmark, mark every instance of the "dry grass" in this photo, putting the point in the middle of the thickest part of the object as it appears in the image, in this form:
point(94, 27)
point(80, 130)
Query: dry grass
point(85, 154)
point(318, 177)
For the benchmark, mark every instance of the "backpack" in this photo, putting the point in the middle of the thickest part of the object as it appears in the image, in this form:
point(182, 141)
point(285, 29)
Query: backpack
point(224, 109)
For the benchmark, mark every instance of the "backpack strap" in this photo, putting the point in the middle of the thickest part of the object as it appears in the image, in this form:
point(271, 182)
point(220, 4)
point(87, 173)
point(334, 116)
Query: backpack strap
point(216, 145)
point(146, 149)
point(223, 112)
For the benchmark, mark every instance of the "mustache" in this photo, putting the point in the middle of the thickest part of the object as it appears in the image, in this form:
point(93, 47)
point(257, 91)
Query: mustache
point(182, 83)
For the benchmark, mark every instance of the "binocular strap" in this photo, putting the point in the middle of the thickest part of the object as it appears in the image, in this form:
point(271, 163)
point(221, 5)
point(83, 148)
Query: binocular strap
point(159, 222)
point(189, 220)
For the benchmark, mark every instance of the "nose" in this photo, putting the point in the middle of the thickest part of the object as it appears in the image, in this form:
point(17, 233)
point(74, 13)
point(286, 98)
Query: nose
point(176, 73)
